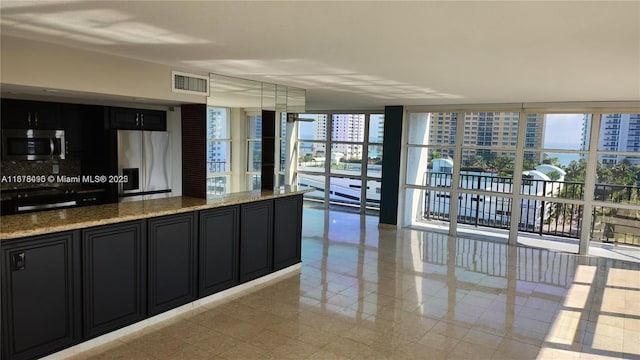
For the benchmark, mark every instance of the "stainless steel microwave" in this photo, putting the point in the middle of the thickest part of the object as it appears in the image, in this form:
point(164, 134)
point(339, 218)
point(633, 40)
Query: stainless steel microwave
point(30, 144)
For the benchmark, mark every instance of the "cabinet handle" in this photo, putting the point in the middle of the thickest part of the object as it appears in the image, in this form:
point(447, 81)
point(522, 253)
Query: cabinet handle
point(18, 261)
point(137, 119)
point(36, 116)
point(29, 118)
point(142, 117)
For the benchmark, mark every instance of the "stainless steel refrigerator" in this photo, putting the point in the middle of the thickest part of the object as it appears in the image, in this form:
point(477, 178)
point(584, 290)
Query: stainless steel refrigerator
point(144, 158)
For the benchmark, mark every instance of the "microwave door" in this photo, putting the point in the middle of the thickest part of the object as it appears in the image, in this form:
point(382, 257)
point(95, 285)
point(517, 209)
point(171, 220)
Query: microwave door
point(29, 148)
point(33, 144)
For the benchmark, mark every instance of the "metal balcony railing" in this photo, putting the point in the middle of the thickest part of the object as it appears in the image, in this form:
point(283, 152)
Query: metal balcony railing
point(216, 166)
point(541, 215)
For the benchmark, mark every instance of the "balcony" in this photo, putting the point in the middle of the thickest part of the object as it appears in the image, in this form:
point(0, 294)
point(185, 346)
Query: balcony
point(541, 215)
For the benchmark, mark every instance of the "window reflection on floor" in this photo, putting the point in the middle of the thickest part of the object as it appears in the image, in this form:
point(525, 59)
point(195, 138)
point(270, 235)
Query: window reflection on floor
point(368, 293)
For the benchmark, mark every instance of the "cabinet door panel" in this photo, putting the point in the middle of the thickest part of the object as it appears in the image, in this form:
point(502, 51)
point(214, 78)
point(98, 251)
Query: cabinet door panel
point(138, 119)
point(172, 261)
point(114, 276)
point(219, 237)
point(287, 231)
point(26, 114)
point(125, 119)
point(256, 240)
point(46, 115)
point(41, 305)
point(154, 120)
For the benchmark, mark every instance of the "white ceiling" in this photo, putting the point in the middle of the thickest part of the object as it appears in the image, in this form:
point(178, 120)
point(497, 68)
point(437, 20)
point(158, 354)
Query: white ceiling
point(364, 55)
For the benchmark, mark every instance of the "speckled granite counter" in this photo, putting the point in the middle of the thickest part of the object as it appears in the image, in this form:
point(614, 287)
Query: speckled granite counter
point(38, 223)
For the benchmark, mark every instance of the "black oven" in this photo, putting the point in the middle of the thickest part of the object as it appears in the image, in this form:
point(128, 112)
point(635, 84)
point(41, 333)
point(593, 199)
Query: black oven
point(30, 144)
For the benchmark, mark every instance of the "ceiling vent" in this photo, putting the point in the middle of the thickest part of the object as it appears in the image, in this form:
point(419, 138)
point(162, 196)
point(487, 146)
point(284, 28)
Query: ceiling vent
point(189, 83)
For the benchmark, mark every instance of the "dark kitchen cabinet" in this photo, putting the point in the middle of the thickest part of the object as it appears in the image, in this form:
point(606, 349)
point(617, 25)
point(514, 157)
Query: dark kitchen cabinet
point(72, 119)
point(79, 123)
point(114, 276)
point(256, 239)
point(41, 308)
point(98, 152)
point(137, 119)
point(287, 231)
point(267, 164)
point(172, 261)
point(218, 249)
point(26, 114)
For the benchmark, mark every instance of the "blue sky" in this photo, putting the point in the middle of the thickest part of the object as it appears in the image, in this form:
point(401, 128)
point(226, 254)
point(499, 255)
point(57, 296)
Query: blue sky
point(563, 131)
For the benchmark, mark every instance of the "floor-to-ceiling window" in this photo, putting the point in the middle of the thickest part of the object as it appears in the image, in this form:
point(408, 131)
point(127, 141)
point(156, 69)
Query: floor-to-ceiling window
point(312, 155)
point(554, 179)
point(254, 150)
point(616, 216)
point(218, 150)
point(575, 181)
point(340, 157)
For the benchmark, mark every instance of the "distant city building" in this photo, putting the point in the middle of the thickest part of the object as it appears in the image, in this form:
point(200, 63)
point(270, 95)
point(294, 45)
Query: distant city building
point(376, 128)
point(320, 133)
point(348, 128)
point(217, 129)
point(495, 129)
point(586, 126)
point(618, 133)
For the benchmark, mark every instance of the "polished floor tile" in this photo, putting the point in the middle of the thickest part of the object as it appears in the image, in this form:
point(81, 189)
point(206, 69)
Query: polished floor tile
point(366, 293)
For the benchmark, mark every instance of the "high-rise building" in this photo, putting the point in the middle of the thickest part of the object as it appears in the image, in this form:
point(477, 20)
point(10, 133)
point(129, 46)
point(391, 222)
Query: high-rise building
point(347, 128)
point(618, 133)
point(320, 133)
point(490, 129)
point(217, 130)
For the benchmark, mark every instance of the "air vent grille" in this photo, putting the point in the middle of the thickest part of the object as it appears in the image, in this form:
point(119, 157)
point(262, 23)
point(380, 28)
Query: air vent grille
point(190, 83)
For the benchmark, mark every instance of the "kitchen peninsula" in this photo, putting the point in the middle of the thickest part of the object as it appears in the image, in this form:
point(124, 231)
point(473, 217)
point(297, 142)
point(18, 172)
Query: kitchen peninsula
point(71, 275)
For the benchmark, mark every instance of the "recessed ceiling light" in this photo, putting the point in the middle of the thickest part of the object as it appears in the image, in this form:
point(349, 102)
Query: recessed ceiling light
point(138, 99)
point(51, 90)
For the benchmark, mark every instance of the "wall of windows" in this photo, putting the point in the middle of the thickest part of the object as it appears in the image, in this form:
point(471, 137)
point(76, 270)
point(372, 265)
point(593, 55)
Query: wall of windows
point(460, 168)
point(340, 157)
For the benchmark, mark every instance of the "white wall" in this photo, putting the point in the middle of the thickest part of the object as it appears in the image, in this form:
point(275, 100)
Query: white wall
point(43, 65)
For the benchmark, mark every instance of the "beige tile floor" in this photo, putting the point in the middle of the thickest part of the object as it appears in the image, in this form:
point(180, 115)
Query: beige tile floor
point(365, 293)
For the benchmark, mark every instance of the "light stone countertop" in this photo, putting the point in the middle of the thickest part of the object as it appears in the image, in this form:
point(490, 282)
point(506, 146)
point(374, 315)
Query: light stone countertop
point(45, 222)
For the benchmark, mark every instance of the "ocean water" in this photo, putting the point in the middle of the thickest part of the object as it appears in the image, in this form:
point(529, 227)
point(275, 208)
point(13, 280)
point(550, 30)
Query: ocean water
point(563, 158)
